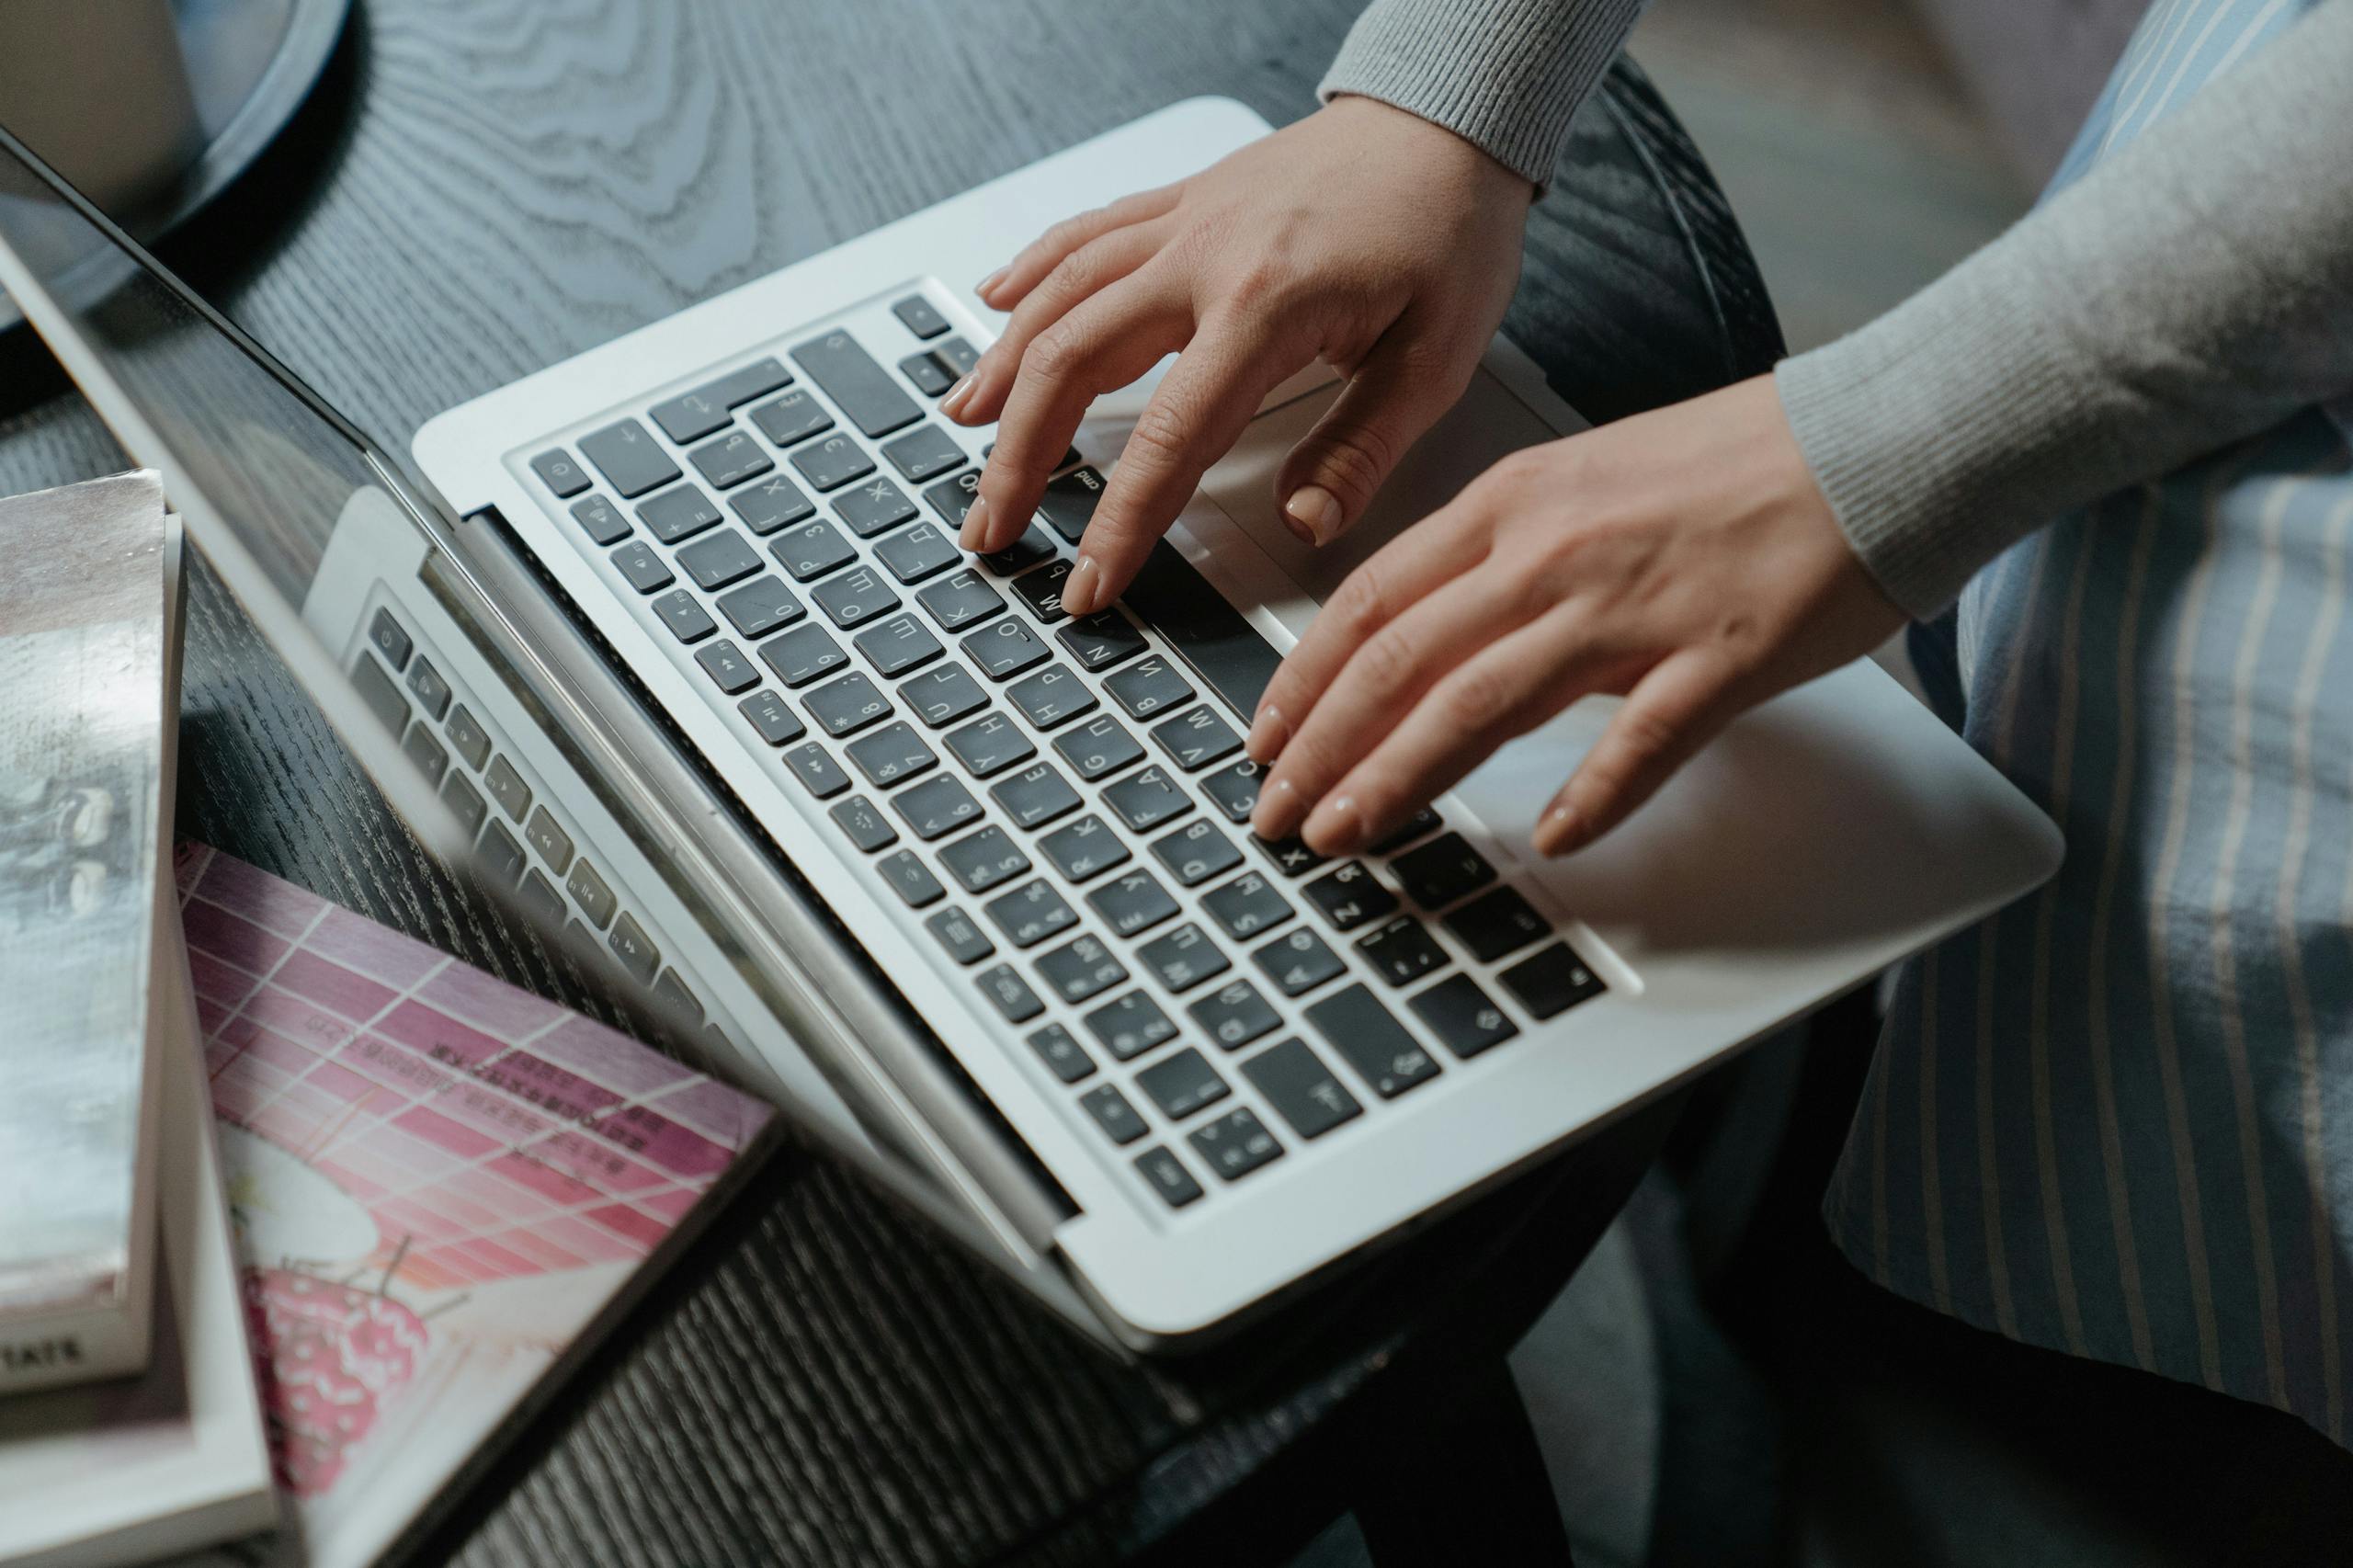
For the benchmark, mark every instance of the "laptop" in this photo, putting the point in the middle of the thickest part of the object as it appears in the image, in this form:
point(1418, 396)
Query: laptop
point(672, 642)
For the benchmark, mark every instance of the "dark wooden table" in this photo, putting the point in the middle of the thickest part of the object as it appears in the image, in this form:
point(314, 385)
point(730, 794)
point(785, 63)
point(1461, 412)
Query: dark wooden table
point(483, 187)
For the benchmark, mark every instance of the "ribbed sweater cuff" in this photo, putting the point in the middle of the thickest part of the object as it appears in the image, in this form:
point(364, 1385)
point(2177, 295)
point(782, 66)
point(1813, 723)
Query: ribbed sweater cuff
point(1505, 75)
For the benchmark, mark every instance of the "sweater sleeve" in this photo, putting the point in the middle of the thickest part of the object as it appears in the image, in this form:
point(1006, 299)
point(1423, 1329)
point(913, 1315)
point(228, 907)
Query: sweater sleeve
point(1505, 75)
point(2194, 288)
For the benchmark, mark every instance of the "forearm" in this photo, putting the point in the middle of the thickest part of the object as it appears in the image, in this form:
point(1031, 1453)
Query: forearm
point(1505, 75)
point(2195, 288)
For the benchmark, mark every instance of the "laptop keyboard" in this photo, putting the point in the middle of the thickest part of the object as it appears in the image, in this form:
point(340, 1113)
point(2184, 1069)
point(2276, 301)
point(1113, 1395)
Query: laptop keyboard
point(1059, 805)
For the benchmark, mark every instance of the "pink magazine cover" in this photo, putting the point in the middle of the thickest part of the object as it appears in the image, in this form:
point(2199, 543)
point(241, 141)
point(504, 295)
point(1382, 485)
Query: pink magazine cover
point(437, 1181)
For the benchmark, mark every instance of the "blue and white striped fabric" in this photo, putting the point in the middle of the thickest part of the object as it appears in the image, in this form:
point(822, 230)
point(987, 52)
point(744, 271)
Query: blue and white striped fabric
point(2117, 1119)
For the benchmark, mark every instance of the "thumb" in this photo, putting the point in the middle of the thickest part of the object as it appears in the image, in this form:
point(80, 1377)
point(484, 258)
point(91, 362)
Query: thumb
point(1331, 476)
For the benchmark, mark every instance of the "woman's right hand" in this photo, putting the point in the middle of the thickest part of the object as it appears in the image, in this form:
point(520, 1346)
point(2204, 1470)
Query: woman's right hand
point(1361, 236)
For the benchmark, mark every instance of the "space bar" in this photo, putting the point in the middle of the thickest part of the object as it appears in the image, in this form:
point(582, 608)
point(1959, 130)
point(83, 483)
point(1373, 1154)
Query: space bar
point(1208, 633)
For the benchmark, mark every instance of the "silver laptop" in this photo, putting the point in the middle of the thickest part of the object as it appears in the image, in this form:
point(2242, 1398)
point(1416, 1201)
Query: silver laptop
point(674, 641)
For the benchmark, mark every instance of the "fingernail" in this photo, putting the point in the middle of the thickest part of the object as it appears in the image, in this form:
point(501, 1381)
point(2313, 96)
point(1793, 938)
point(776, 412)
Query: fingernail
point(1314, 509)
point(952, 404)
point(1335, 827)
point(1269, 732)
point(1270, 818)
point(1079, 587)
point(1561, 831)
point(973, 535)
point(987, 286)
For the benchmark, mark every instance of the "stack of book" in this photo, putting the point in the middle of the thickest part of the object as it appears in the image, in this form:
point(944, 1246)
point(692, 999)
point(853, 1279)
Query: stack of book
point(312, 1215)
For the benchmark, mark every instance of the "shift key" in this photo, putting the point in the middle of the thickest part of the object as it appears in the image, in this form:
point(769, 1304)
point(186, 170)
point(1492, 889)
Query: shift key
point(858, 386)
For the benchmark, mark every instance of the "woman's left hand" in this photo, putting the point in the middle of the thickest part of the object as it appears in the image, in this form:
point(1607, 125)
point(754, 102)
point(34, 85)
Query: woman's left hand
point(1683, 558)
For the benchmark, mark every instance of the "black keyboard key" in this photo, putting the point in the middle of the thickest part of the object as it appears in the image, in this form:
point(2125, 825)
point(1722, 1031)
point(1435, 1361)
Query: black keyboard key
point(1148, 687)
point(1063, 1056)
point(1034, 796)
point(1183, 958)
point(760, 607)
point(1032, 547)
point(723, 558)
point(1030, 914)
point(692, 415)
point(548, 841)
point(1235, 1145)
point(1100, 641)
point(1113, 1114)
point(1234, 789)
point(831, 463)
point(1079, 969)
point(1165, 1174)
point(776, 502)
point(1247, 905)
point(500, 856)
point(507, 787)
point(1195, 853)
point(600, 519)
point(989, 745)
point(960, 600)
point(1464, 1018)
point(874, 507)
point(1084, 848)
point(937, 807)
point(422, 749)
point(867, 826)
point(959, 356)
point(467, 737)
point(679, 514)
point(812, 549)
point(731, 459)
point(1053, 695)
point(803, 655)
point(777, 724)
point(952, 498)
point(1009, 992)
point(1098, 749)
point(1402, 950)
point(860, 387)
point(1221, 647)
point(964, 941)
point(918, 552)
point(1553, 981)
point(925, 453)
point(944, 694)
point(1419, 825)
point(465, 802)
point(1068, 504)
point(1235, 1015)
point(1293, 1078)
point(729, 670)
point(891, 754)
point(1349, 897)
point(1441, 871)
point(795, 416)
point(916, 887)
point(856, 596)
point(673, 993)
point(1196, 737)
point(631, 460)
point(559, 473)
point(900, 644)
point(1497, 923)
point(1005, 649)
point(431, 691)
point(683, 615)
point(918, 316)
point(391, 639)
point(846, 705)
point(1145, 801)
point(930, 376)
point(1291, 855)
point(1298, 961)
point(640, 568)
point(1133, 901)
point(817, 771)
point(640, 958)
point(1369, 1038)
point(1182, 1084)
point(1041, 592)
point(985, 859)
point(1130, 1024)
point(588, 890)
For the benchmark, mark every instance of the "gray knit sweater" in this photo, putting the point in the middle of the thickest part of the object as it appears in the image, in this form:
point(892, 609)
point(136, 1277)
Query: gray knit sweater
point(2192, 290)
